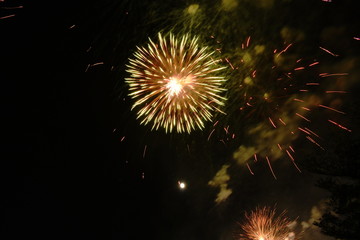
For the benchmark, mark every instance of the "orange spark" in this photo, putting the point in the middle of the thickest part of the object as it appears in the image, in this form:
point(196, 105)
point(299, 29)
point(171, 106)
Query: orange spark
point(340, 126)
point(268, 161)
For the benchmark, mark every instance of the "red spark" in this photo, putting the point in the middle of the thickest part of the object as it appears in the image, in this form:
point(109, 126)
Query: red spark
point(8, 16)
point(291, 149)
point(250, 169)
point(248, 42)
point(326, 50)
point(340, 126)
point(227, 60)
point(268, 161)
point(282, 121)
point(281, 52)
point(312, 132)
point(298, 100)
point(335, 92)
point(332, 109)
point(210, 134)
point(299, 68)
point(313, 141)
point(272, 123)
point(299, 115)
point(332, 74)
point(303, 130)
point(313, 64)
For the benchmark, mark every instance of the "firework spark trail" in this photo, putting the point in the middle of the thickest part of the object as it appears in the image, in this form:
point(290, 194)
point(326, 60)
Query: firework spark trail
point(339, 125)
point(9, 8)
point(264, 224)
point(176, 84)
point(272, 171)
point(329, 52)
point(284, 101)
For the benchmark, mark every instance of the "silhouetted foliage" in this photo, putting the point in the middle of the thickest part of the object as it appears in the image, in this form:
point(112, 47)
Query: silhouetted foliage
point(340, 169)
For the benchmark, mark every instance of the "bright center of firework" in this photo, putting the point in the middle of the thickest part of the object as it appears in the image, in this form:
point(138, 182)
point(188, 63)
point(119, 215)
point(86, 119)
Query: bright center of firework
point(174, 85)
point(261, 238)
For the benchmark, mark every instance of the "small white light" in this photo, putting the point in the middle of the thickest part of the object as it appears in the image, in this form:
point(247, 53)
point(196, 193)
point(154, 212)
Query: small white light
point(182, 185)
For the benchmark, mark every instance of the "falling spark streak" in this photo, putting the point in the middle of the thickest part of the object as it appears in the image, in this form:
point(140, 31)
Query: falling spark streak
point(268, 161)
point(293, 160)
point(290, 156)
point(313, 64)
point(299, 115)
point(210, 134)
point(313, 141)
point(248, 42)
point(299, 68)
point(298, 100)
point(291, 148)
point(312, 132)
point(282, 121)
point(340, 126)
point(286, 48)
point(335, 92)
point(227, 130)
point(332, 109)
point(9, 8)
point(253, 74)
point(272, 123)
point(227, 60)
point(252, 173)
point(95, 64)
point(176, 84)
point(144, 152)
point(332, 74)
point(255, 158)
point(333, 54)
point(8, 16)
point(303, 130)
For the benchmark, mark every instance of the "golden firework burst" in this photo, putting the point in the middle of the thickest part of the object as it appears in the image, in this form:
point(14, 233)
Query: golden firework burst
point(176, 84)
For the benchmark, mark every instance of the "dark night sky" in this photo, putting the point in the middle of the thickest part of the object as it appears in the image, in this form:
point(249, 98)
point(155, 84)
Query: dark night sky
point(66, 174)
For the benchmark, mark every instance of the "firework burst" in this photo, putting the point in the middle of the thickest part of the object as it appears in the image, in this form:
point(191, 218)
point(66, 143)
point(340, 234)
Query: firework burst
point(282, 99)
point(176, 84)
point(264, 224)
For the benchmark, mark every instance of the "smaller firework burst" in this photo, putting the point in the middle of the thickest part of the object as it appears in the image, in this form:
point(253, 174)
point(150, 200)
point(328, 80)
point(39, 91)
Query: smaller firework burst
point(264, 224)
point(176, 83)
